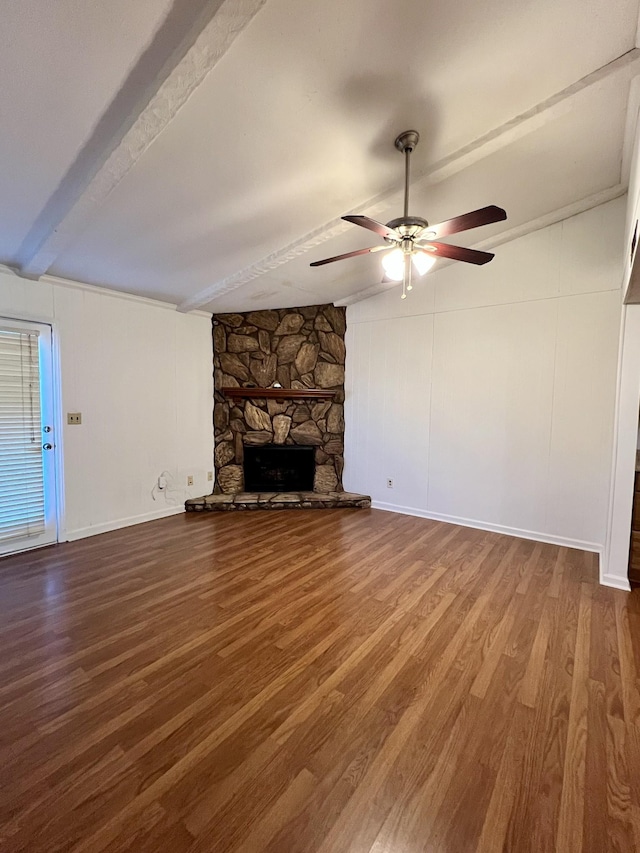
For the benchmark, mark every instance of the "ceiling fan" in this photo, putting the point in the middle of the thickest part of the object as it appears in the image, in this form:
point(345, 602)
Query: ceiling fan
point(411, 242)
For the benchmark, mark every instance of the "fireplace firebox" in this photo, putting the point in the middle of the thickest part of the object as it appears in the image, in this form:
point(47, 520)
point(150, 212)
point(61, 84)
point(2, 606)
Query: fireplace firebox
point(278, 468)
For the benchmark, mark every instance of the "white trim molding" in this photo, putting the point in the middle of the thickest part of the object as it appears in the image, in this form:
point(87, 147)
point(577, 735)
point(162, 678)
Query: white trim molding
point(615, 562)
point(615, 582)
point(97, 289)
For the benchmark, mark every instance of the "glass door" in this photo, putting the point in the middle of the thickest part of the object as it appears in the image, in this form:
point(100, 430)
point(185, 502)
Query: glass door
point(27, 441)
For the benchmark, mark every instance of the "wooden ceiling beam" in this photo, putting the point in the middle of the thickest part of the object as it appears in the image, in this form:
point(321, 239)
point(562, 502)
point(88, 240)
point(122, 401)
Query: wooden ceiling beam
point(192, 40)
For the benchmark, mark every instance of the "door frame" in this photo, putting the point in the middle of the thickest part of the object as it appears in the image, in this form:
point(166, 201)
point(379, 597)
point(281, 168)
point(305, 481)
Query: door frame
point(57, 420)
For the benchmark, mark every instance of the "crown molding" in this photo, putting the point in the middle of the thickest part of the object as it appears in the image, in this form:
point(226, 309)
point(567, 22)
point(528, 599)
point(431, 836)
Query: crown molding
point(101, 291)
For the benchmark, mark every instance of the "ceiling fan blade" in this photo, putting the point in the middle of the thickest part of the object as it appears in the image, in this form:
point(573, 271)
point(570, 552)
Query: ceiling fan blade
point(348, 255)
point(474, 219)
point(459, 253)
point(372, 225)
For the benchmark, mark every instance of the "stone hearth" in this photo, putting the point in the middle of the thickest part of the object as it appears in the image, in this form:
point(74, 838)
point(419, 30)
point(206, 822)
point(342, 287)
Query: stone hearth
point(277, 500)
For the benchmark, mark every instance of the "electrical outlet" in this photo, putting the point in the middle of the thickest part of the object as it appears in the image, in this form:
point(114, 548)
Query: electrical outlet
point(190, 480)
point(74, 417)
point(209, 476)
point(389, 483)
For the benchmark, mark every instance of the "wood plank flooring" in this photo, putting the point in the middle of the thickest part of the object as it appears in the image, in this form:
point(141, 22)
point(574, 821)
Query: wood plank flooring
point(330, 681)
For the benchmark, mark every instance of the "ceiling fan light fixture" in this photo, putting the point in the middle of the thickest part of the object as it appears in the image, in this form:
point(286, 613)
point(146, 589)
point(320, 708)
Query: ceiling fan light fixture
point(422, 261)
point(393, 264)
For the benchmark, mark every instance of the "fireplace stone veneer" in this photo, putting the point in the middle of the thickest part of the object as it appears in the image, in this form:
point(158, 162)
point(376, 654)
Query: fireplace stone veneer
point(301, 348)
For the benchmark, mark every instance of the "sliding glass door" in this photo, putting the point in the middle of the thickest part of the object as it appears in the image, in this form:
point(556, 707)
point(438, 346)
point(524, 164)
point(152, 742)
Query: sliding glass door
point(27, 439)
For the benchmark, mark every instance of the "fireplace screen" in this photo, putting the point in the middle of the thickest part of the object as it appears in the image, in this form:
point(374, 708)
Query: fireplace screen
point(277, 468)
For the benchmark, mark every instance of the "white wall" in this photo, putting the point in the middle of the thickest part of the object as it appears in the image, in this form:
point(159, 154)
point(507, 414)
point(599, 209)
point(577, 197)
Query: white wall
point(141, 375)
point(488, 394)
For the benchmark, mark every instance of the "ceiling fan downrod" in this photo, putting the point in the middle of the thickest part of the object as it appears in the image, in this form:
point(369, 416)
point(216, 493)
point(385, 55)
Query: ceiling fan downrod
point(406, 143)
point(405, 226)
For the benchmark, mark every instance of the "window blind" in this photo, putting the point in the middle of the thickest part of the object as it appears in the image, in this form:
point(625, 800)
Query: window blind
point(21, 471)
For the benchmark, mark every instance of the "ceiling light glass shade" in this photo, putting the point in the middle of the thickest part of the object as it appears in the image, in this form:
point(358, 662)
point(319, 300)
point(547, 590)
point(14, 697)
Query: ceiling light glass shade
point(423, 262)
point(393, 264)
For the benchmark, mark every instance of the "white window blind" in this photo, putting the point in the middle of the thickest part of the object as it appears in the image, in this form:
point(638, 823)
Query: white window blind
point(21, 473)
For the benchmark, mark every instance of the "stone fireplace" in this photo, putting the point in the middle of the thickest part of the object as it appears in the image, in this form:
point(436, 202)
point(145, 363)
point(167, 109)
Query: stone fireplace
point(303, 350)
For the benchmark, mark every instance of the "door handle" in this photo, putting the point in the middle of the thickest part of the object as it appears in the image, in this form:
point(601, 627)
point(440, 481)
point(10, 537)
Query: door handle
point(47, 446)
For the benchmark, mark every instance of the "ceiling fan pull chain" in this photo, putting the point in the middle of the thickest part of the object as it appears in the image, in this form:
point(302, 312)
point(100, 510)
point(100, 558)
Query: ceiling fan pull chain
point(406, 275)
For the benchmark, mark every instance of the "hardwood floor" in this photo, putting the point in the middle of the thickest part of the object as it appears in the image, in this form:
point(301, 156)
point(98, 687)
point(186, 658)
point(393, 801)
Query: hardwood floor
point(330, 681)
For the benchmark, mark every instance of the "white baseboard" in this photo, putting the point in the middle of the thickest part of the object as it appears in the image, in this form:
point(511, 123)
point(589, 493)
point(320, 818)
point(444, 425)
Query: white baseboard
point(493, 528)
point(615, 582)
point(95, 529)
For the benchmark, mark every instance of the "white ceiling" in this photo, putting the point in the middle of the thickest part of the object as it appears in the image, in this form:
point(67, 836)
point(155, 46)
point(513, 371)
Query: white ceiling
point(203, 152)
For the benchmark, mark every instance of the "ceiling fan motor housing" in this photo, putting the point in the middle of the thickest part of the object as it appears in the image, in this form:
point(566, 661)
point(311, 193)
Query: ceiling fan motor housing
point(408, 226)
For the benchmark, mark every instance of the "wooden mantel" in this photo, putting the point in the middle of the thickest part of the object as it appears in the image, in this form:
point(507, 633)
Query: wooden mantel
point(278, 393)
